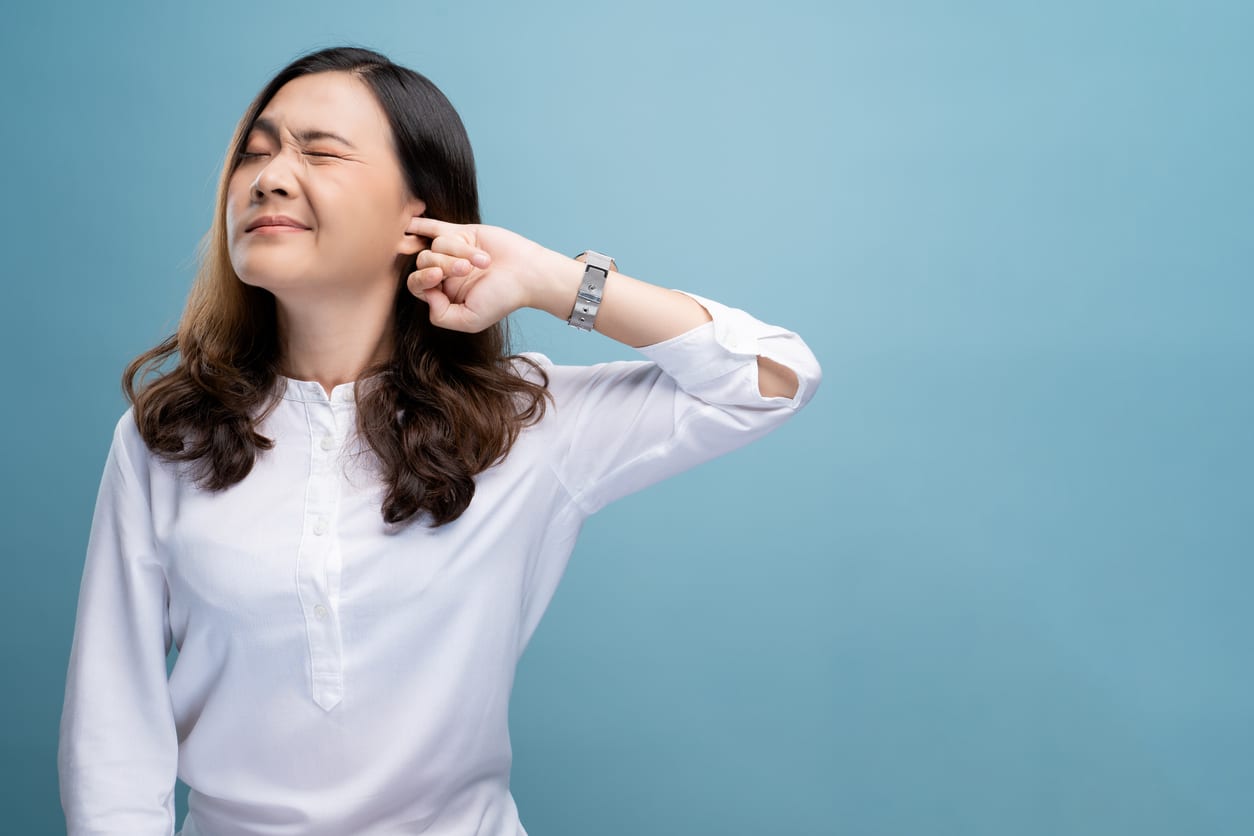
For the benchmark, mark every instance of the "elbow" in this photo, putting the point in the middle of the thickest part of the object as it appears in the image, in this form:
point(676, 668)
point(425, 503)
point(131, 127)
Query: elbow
point(797, 379)
point(775, 380)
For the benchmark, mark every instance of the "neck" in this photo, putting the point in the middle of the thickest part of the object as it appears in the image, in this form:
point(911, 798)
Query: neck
point(333, 343)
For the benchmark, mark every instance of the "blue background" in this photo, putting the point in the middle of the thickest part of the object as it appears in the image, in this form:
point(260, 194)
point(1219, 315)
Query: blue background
point(995, 579)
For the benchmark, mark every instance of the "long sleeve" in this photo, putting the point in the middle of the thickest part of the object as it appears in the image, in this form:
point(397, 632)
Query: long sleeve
point(117, 755)
point(631, 423)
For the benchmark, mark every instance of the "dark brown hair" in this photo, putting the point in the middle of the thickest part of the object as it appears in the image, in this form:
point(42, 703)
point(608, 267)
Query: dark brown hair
point(445, 406)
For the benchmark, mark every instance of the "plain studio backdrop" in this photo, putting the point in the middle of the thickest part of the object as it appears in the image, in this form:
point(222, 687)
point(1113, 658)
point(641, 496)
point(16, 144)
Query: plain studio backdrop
point(993, 580)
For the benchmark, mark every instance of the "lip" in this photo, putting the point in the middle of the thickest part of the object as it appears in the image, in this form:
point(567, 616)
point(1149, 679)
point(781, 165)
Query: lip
point(275, 223)
point(275, 229)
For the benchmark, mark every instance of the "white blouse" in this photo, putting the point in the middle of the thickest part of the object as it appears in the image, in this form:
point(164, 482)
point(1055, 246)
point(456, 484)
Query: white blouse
point(337, 675)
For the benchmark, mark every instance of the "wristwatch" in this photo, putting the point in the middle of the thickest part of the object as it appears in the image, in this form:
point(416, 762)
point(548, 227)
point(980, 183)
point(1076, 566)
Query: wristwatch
point(591, 288)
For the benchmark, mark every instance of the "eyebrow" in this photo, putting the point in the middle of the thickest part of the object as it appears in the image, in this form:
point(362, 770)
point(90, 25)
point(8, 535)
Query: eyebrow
point(268, 128)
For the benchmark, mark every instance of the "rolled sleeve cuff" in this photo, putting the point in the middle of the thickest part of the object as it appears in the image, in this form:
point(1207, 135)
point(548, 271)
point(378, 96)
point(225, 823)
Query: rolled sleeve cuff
point(729, 343)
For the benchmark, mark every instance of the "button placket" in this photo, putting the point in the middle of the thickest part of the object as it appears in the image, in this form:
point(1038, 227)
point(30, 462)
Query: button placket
point(344, 420)
point(317, 551)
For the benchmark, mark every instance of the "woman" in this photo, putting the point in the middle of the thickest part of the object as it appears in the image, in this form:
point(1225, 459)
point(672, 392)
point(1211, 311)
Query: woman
point(291, 505)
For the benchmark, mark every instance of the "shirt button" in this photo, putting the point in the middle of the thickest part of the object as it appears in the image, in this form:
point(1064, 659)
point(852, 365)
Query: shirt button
point(320, 611)
point(320, 527)
point(328, 442)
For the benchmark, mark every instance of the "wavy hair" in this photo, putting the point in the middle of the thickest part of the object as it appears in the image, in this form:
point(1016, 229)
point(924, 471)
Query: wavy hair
point(443, 407)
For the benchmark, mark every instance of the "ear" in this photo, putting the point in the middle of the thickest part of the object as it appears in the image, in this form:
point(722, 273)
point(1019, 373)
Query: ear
point(411, 243)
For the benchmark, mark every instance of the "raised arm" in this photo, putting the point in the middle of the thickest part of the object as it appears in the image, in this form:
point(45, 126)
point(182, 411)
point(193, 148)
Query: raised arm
point(473, 275)
point(637, 314)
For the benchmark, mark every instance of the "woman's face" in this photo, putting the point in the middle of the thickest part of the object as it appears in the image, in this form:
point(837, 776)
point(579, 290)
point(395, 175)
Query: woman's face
point(346, 190)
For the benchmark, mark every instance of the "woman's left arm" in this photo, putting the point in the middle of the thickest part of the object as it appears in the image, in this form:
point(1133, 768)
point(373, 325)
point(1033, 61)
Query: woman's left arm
point(473, 275)
point(637, 314)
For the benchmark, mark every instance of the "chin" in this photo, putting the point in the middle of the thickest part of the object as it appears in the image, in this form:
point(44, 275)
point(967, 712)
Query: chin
point(256, 272)
point(277, 284)
point(269, 281)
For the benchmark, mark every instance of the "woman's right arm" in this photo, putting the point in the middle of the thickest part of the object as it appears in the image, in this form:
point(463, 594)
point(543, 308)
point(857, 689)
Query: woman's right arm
point(117, 755)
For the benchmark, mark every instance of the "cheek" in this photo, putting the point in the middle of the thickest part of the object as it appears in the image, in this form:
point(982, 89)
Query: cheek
point(236, 197)
point(364, 212)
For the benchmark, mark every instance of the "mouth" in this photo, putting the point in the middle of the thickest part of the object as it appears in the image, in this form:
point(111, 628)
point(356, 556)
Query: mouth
point(267, 229)
point(275, 223)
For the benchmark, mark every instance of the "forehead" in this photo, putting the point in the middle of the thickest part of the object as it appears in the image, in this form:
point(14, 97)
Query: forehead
point(331, 101)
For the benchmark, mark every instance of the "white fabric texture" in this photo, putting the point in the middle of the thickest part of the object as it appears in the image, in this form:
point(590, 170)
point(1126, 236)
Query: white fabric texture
point(337, 675)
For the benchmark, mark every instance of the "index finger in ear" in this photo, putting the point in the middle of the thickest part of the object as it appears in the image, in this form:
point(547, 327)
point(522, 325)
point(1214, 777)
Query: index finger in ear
point(431, 227)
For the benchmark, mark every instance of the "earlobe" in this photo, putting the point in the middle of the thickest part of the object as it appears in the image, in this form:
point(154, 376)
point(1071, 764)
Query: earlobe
point(411, 242)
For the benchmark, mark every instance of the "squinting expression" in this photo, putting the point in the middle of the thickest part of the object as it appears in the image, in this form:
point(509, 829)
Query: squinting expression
point(320, 174)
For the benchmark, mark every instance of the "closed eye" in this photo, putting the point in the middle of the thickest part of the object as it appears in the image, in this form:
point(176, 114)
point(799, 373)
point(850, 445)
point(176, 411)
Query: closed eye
point(310, 153)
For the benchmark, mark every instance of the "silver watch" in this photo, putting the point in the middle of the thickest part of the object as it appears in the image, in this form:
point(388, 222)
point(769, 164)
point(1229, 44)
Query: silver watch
point(591, 287)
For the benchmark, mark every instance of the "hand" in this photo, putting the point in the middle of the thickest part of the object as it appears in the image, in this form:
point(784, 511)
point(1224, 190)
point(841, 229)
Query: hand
point(473, 275)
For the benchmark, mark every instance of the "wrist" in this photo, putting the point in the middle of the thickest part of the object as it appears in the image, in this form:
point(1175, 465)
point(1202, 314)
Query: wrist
point(556, 285)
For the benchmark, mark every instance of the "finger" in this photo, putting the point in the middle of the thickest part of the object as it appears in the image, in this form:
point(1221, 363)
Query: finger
point(459, 247)
point(420, 280)
point(450, 264)
point(431, 227)
point(457, 244)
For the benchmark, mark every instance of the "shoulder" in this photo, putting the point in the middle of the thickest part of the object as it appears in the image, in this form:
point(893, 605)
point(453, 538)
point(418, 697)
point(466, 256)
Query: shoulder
point(126, 430)
point(128, 442)
point(526, 363)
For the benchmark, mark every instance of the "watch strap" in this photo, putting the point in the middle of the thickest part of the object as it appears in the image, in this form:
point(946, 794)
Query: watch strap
point(591, 289)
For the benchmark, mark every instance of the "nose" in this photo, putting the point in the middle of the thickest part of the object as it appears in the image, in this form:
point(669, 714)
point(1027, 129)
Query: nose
point(274, 176)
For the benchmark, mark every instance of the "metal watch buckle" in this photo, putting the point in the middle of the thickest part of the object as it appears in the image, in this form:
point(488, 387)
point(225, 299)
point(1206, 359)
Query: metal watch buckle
point(591, 290)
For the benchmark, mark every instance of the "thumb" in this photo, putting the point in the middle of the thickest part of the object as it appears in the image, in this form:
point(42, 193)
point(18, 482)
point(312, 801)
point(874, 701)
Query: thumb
point(444, 314)
point(438, 303)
